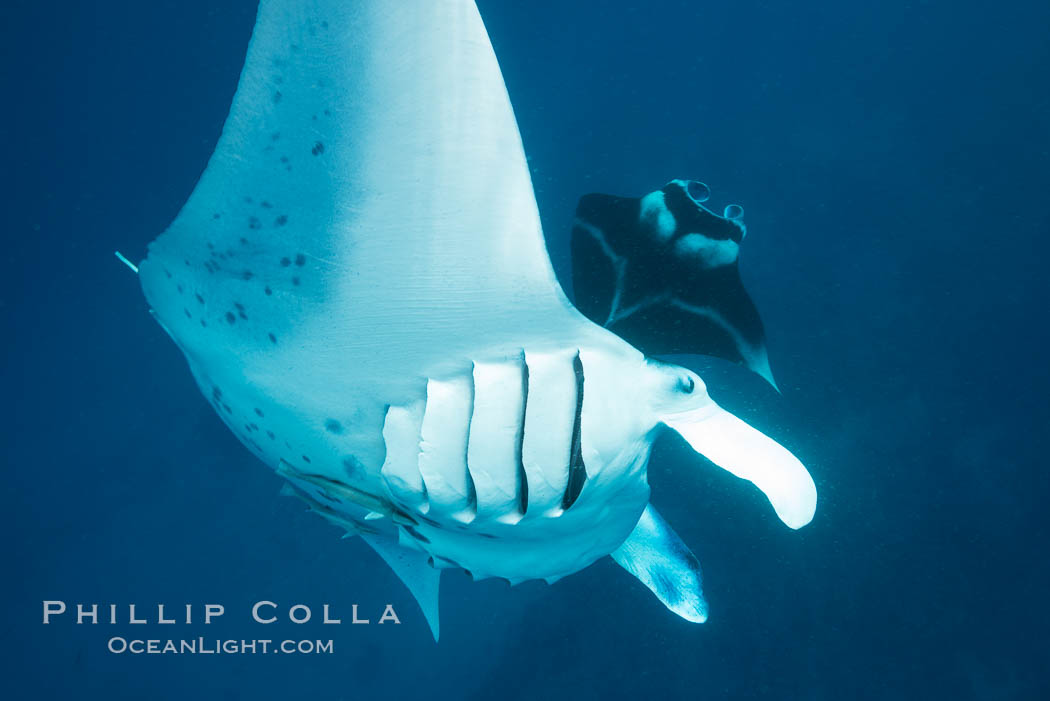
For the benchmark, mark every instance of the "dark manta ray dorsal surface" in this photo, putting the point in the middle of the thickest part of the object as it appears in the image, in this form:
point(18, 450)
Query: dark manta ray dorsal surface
point(661, 272)
point(361, 289)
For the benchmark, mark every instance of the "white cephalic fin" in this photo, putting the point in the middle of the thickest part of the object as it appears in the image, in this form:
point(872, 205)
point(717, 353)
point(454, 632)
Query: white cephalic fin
point(420, 578)
point(749, 454)
point(661, 561)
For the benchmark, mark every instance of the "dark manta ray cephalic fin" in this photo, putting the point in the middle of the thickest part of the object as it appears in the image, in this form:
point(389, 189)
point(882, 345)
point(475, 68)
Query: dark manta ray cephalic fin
point(661, 272)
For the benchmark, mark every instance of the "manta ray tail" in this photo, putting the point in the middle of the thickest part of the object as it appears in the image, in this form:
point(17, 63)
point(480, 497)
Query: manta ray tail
point(661, 561)
point(123, 259)
point(661, 272)
point(420, 578)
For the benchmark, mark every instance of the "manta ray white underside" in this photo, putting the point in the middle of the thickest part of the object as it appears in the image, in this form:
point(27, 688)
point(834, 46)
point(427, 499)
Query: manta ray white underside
point(360, 286)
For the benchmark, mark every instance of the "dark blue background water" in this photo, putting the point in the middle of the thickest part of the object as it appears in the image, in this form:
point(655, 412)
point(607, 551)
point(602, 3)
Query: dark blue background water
point(894, 162)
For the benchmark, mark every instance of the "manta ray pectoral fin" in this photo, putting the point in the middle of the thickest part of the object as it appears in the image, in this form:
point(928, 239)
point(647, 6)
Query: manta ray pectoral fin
point(420, 578)
point(368, 210)
point(661, 561)
point(661, 272)
point(749, 454)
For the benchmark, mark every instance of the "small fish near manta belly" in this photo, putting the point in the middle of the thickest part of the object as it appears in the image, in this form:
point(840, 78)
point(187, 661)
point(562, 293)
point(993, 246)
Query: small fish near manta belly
point(398, 348)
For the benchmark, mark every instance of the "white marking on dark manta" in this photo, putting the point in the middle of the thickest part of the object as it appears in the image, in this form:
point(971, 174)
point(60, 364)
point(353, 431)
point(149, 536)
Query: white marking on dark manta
point(406, 294)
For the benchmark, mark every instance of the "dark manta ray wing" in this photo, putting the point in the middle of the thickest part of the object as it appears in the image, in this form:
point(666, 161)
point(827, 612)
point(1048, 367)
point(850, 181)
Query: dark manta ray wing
point(661, 272)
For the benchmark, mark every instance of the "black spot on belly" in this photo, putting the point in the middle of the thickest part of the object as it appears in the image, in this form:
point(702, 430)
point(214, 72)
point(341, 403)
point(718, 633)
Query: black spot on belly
point(333, 426)
point(300, 260)
point(247, 199)
point(275, 136)
point(325, 24)
point(230, 318)
point(216, 393)
point(285, 262)
point(168, 273)
point(306, 460)
point(254, 223)
point(295, 281)
point(244, 241)
point(353, 467)
point(259, 412)
point(204, 323)
point(284, 159)
point(247, 275)
point(199, 298)
point(277, 97)
point(265, 205)
point(273, 339)
point(318, 149)
point(268, 291)
point(179, 288)
point(216, 216)
point(187, 313)
point(269, 434)
point(281, 220)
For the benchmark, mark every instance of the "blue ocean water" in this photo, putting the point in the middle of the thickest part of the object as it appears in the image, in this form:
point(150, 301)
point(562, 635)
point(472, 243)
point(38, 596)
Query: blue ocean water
point(894, 162)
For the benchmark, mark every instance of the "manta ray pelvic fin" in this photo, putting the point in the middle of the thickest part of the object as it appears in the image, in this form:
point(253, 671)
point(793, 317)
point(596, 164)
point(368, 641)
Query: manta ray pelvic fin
point(661, 561)
point(412, 568)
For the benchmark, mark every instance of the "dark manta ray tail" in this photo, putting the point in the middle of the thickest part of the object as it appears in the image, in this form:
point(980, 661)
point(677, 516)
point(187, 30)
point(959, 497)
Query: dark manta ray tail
point(661, 272)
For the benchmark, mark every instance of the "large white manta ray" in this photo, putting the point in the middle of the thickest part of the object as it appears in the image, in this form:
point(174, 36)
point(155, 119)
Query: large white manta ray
point(360, 286)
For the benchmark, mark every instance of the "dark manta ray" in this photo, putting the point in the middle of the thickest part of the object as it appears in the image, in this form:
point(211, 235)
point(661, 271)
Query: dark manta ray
point(661, 272)
point(360, 286)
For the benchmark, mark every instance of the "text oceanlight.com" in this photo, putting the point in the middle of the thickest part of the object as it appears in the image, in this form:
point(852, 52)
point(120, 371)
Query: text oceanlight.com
point(262, 613)
point(203, 646)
